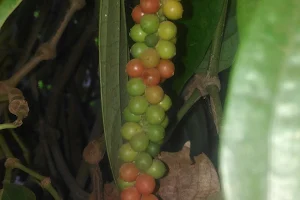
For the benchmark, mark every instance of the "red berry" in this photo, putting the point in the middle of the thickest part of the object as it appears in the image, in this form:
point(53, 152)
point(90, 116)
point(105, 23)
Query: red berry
point(150, 6)
point(137, 14)
point(151, 76)
point(135, 68)
point(166, 68)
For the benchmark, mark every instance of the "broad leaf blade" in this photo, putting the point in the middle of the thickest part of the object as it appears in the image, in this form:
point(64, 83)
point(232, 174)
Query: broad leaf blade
point(260, 142)
point(200, 23)
point(113, 58)
point(246, 10)
point(12, 191)
point(6, 8)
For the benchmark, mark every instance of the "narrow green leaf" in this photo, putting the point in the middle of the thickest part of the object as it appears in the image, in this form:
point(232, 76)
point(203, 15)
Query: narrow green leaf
point(12, 191)
point(113, 58)
point(246, 10)
point(6, 8)
point(260, 142)
point(195, 33)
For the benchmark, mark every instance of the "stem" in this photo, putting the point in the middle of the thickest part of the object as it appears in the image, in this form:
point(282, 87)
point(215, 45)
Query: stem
point(30, 172)
point(35, 60)
point(21, 73)
point(33, 34)
point(7, 176)
point(52, 109)
point(83, 171)
point(5, 148)
point(25, 151)
point(213, 66)
point(54, 40)
point(53, 192)
point(188, 104)
point(216, 105)
point(39, 177)
point(66, 175)
point(7, 126)
point(213, 69)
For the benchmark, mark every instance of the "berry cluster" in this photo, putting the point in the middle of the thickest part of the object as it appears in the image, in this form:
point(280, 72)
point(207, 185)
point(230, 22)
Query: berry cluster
point(144, 130)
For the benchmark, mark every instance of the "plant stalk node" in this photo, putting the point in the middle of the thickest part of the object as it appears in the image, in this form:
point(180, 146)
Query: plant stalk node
point(11, 163)
point(46, 51)
point(46, 182)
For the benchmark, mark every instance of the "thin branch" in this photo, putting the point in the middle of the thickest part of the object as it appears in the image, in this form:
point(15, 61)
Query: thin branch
point(8, 126)
point(45, 182)
point(203, 84)
point(83, 172)
point(33, 34)
point(52, 109)
point(213, 69)
point(7, 152)
point(213, 66)
point(26, 152)
point(46, 51)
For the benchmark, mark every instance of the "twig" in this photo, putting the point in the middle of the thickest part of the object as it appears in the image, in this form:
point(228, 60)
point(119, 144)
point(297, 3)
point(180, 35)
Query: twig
point(23, 147)
point(208, 83)
point(45, 182)
point(26, 152)
point(46, 149)
point(33, 34)
point(83, 172)
point(7, 176)
point(52, 108)
point(8, 126)
point(46, 51)
point(7, 152)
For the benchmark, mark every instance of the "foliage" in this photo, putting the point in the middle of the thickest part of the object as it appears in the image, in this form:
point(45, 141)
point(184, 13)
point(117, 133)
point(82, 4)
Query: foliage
point(113, 59)
point(13, 191)
point(246, 12)
point(260, 140)
point(229, 46)
point(6, 8)
point(195, 33)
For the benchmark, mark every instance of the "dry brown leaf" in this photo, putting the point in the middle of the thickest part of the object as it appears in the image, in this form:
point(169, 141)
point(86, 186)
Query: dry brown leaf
point(187, 181)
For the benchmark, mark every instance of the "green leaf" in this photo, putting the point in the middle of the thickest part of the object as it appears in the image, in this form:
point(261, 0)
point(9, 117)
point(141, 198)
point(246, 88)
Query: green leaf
point(245, 14)
point(12, 191)
point(196, 30)
point(260, 142)
point(113, 58)
point(229, 48)
point(216, 196)
point(6, 8)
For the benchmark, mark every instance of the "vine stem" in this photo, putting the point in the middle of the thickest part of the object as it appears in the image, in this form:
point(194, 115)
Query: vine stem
point(213, 68)
point(29, 171)
point(8, 154)
point(8, 126)
point(47, 53)
point(24, 149)
point(39, 177)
